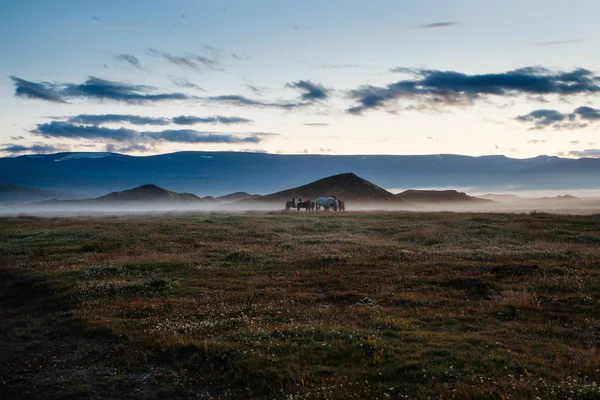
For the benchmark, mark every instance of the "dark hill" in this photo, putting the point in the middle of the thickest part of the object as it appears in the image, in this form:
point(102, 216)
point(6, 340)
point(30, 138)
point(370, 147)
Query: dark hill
point(236, 197)
point(150, 194)
point(25, 194)
point(346, 186)
point(437, 196)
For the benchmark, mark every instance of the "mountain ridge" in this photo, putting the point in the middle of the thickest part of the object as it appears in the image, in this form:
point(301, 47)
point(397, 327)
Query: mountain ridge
point(220, 173)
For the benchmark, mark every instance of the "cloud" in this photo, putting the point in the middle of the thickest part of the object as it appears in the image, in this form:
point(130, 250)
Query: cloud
point(595, 153)
point(218, 119)
point(32, 90)
point(316, 124)
point(558, 42)
point(581, 117)
point(241, 57)
point(91, 119)
point(543, 118)
point(437, 25)
point(102, 89)
point(139, 148)
point(192, 136)
point(129, 137)
point(184, 83)
point(588, 113)
point(34, 148)
point(130, 59)
point(253, 89)
point(188, 60)
point(93, 88)
point(242, 101)
point(450, 88)
point(535, 141)
point(73, 131)
point(116, 118)
point(341, 66)
point(313, 91)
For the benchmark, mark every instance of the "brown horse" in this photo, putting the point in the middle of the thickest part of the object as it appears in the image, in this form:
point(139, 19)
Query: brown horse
point(290, 204)
point(341, 205)
point(307, 205)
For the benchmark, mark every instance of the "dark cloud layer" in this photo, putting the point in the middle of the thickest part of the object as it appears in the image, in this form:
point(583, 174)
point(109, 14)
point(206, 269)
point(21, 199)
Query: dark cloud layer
point(218, 119)
point(313, 91)
point(42, 90)
point(130, 137)
point(34, 148)
point(74, 131)
point(98, 119)
point(581, 117)
point(192, 136)
point(93, 88)
point(434, 87)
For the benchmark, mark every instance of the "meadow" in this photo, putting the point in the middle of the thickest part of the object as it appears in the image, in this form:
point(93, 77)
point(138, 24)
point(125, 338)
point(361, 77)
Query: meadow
point(288, 305)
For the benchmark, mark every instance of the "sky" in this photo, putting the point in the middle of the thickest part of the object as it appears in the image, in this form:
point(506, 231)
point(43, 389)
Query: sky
point(514, 78)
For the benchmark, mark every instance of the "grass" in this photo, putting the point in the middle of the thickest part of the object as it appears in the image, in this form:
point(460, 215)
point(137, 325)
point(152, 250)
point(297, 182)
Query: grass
point(301, 306)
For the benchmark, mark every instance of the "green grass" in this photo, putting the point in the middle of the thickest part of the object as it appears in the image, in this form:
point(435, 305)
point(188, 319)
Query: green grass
point(272, 305)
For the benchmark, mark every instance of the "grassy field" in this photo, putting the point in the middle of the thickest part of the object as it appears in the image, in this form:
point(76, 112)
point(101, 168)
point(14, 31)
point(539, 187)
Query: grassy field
point(301, 306)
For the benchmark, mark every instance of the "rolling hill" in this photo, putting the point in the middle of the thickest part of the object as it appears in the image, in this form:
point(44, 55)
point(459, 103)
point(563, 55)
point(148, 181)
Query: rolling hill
point(24, 194)
point(148, 194)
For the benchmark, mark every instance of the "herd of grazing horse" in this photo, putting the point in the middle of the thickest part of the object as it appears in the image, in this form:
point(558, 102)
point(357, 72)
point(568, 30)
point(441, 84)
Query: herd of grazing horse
point(326, 203)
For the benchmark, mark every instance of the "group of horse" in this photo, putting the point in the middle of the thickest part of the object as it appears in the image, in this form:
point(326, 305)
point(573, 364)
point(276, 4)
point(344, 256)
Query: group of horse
point(326, 203)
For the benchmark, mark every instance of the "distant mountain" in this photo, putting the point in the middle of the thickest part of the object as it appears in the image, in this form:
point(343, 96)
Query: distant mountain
point(236, 197)
point(500, 198)
point(149, 193)
point(438, 196)
point(347, 186)
point(220, 173)
point(24, 194)
point(565, 197)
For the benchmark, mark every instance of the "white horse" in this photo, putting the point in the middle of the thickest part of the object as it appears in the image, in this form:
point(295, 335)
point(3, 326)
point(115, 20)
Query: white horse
point(326, 202)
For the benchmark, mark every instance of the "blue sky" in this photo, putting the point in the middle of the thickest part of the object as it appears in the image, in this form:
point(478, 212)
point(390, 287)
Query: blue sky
point(519, 78)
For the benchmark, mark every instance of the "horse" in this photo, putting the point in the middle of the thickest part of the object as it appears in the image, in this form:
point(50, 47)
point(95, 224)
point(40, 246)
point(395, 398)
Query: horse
point(293, 203)
point(341, 205)
point(307, 205)
point(326, 203)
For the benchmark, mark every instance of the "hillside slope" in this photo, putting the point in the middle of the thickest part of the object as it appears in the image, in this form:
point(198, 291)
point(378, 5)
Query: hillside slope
point(148, 193)
point(25, 194)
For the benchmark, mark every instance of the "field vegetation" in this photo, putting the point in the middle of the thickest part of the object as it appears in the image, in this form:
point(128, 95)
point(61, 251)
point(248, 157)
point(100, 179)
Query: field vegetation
point(280, 305)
